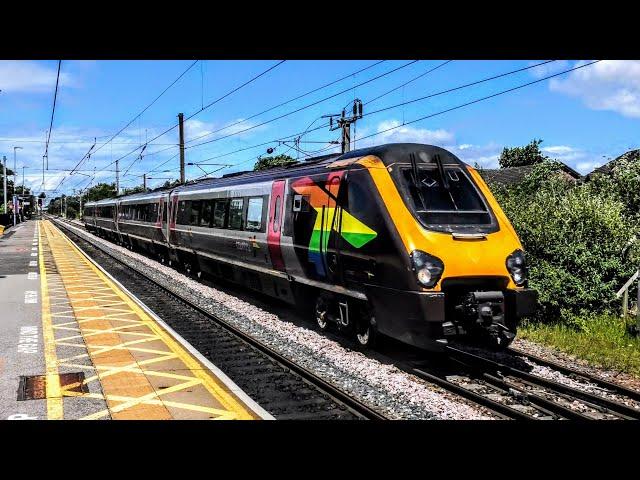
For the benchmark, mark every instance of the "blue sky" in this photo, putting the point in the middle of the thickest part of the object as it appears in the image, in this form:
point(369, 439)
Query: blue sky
point(584, 117)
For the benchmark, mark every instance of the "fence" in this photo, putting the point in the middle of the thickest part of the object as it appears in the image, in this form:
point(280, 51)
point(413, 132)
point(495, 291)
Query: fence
point(624, 293)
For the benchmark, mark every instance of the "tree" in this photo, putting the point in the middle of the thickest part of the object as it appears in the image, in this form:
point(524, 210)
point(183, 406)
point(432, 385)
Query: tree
point(136, 189)
point(171, 184)
point(521, 156)
point(265, 163)
point(100, 191)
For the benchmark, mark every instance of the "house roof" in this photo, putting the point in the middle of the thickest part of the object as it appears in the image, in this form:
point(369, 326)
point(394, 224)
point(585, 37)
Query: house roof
point(515, 175)
point(608, 167)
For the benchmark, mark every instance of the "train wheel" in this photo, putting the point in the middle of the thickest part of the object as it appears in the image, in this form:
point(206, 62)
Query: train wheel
point(365, 330)
point(321, 312)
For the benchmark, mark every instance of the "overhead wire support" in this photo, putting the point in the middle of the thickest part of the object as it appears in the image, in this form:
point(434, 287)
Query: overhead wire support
point(53, 111)
point(142, 112)
point(322, 87)
point(204, 108)
point(412, 121)
point(481, 99)
point(304, 107)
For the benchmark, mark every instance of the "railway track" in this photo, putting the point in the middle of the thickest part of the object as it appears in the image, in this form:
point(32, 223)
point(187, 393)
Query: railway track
point(283, 388)
point(563, 401)
point(579, 375)
point(509, 392)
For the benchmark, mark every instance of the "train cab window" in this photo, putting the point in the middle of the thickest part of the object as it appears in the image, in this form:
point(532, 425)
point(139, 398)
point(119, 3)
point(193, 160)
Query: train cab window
point(254, 214)
point(205, 218)
point(194, 216)
point(235, 213)
point(220, 213)
point(460, 204)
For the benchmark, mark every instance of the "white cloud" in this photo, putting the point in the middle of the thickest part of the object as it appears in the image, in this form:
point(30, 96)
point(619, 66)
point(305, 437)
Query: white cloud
point(548, 68)
point(608, 85)
point(29, 76)
point(410, 134)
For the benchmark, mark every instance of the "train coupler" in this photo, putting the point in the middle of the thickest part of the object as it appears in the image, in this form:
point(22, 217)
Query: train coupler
point(482, 315)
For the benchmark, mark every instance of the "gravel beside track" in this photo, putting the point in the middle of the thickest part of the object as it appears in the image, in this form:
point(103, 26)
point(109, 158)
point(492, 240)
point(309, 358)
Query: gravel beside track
point(383, 387)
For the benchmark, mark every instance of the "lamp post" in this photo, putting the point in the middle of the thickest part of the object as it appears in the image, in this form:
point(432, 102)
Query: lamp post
point(14, 182)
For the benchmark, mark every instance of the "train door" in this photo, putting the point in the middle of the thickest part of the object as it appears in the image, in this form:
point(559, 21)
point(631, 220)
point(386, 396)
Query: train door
point(164, 218)
point(171, 217)
point(274, 226)
point(331, 228)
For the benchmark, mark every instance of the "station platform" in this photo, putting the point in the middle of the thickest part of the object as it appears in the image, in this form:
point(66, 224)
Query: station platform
point(75, 344)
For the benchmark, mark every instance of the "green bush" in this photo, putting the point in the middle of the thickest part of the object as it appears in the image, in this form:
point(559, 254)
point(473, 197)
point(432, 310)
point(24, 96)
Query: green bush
point(575, 237)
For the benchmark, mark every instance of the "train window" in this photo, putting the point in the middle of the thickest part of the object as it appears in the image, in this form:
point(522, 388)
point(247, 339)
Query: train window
point(254, 213)
point(276, 215)
point(182, 215)
point(165, 207)
point(220, 213)
point(235, 213)
point(301, 203)
point(194, 217)
point(207, 207)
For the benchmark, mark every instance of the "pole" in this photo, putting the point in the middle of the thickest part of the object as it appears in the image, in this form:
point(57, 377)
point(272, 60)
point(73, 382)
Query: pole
point(4, 181)
point(117, 177)
point(144, 181)
point(181, 130)
point(23, 180)
point(43, 174)
point(14, 185)
point(346, 136)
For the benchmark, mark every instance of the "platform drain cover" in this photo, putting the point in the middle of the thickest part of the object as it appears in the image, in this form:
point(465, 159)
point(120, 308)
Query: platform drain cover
point(35, 387)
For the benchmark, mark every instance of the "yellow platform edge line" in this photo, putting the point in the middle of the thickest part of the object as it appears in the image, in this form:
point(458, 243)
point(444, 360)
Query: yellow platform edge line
point(55, 409)
point(226, 398)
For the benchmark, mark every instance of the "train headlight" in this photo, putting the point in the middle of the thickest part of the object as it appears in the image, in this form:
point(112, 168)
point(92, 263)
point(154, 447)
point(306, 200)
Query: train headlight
point(517, 267)
point(428, 268)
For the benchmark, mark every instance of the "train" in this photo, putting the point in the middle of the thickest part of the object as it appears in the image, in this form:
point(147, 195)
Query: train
point(399, 240)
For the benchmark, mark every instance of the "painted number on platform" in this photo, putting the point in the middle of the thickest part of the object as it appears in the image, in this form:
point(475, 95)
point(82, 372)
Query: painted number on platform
point(28, 342)
point(30, 296)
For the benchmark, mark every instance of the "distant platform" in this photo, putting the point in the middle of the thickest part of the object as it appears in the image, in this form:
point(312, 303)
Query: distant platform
point(74, 344)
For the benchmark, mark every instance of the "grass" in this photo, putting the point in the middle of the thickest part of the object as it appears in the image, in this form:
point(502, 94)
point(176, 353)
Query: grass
point(600, 339)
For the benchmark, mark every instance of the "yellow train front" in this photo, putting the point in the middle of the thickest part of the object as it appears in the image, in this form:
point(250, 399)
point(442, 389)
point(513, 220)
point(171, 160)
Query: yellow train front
point(438, 258)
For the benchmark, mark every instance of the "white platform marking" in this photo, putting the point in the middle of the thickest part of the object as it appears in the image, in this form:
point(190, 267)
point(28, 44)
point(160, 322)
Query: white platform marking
point(28, 342)
point(30, 296)
point(33, 263)
point(21, 416)
point(32, 276)
point(34, 254)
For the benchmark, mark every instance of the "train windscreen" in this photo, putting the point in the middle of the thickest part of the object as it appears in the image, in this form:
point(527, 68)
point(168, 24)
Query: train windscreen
point(445, 197)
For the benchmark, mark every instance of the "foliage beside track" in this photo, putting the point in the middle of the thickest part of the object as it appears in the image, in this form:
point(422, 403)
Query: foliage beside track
point(581, 244)
point(579, 237)
point(600, 339)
